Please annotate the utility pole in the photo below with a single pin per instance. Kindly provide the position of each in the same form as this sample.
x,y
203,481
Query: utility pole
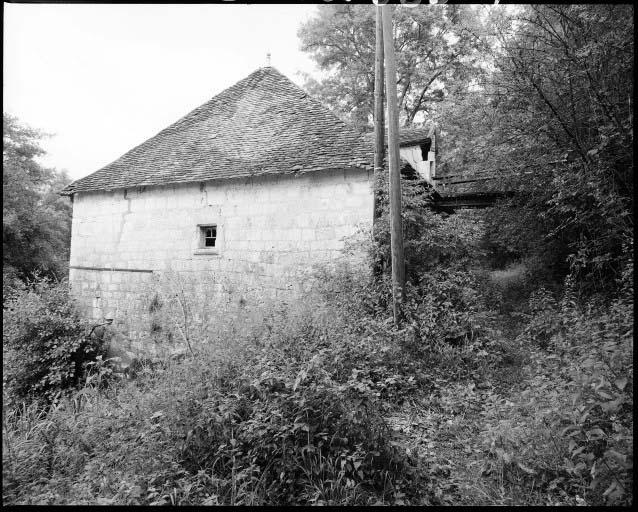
x,y
379,132
396,228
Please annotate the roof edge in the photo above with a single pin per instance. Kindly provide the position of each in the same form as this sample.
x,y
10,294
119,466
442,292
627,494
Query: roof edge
x,y
292,172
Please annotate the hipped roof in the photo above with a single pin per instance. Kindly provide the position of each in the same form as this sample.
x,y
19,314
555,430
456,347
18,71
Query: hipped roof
x,y
264,124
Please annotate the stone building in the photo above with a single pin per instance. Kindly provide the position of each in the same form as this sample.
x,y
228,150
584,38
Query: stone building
x,y
239,198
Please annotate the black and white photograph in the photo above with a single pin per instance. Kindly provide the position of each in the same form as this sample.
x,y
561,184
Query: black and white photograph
x,y
341,253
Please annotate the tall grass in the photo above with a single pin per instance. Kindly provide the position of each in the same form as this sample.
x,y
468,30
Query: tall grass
x,y
274,413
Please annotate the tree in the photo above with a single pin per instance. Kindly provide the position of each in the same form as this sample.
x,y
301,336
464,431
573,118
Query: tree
x,y
562,87
36,221
436,53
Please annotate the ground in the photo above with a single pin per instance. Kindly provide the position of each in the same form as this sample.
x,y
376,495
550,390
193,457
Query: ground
x,y
475,428
500,420
448,430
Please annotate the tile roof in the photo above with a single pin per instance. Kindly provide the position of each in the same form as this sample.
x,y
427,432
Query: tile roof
x,y
264,124
411,136
407,136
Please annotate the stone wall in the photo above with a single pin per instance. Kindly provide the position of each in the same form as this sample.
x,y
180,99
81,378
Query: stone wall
x,y
414,157
270,231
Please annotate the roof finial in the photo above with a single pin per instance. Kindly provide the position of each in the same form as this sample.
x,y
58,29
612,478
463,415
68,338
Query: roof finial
x,y
268,59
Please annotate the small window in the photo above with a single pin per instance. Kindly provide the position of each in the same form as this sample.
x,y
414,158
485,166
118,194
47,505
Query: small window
x,y
208,236
207,240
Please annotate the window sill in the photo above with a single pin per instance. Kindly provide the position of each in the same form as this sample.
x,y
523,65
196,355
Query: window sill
x,y
207,252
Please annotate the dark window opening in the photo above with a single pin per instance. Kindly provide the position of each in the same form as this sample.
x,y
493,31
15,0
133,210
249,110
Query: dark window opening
x,y
209,234
425,149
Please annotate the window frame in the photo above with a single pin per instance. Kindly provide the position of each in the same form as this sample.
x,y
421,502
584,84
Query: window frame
x,y
202,248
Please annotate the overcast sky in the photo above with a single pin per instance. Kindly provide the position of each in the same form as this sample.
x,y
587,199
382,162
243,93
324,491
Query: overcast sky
x,y
104,78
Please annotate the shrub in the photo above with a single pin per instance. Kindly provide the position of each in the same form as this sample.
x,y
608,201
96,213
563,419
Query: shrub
x,y
446,308
568,220
577,440
293,417
307,440
430,238
45,343
301,422
597,342
11,282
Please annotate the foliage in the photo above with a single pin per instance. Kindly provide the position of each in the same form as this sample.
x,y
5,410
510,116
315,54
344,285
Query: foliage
x,y
296,412
576,437
293,415
36,221
565,436
431,239
443,304
436,54
302,440
505,402
45,343
555,121
446,308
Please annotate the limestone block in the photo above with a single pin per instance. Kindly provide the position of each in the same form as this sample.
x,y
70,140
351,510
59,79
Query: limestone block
x,y
266,257
317,245
291,234
287,245
325,234
308,234
272,208
251,256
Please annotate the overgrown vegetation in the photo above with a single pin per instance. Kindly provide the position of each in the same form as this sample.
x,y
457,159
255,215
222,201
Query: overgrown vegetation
x,y
296,410
555,119
510,381
36,220
294,416
46,346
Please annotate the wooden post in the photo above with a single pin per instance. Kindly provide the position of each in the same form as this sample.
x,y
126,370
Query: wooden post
x,y
396,228
379,135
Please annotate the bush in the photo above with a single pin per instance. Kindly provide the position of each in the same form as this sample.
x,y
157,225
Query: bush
x,y
45,343
573,436
568,220
291,415
447,308
431,239
11,282
304,439
443,305
301,422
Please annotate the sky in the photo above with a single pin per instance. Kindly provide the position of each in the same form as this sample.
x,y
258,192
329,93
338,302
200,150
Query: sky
x,y
102,79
